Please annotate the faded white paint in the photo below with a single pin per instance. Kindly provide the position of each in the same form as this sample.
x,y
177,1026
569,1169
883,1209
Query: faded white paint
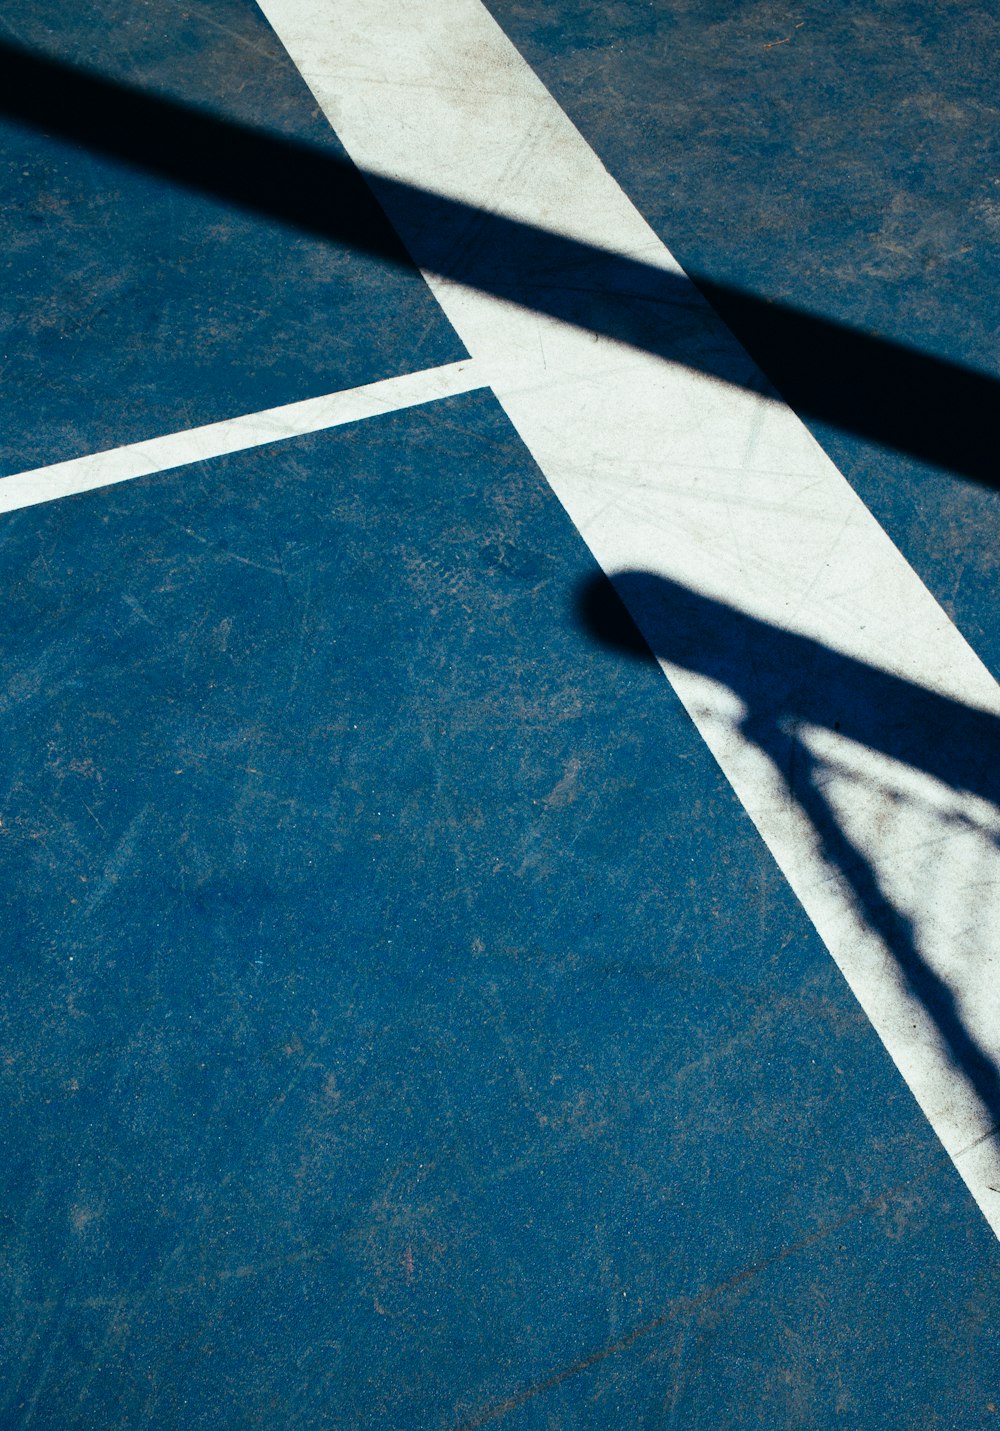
x,y
236,434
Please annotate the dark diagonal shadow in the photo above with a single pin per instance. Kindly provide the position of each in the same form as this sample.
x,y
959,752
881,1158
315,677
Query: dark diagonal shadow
x,y
786,682
921,405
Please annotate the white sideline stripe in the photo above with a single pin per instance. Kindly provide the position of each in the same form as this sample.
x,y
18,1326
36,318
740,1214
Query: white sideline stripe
x,y
236,434
666,470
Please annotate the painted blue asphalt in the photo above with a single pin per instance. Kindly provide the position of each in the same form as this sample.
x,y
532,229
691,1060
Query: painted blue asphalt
x,y
402,1009
404,1024
135,306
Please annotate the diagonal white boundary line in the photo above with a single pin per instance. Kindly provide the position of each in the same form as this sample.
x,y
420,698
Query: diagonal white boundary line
x,y
700,487
237,434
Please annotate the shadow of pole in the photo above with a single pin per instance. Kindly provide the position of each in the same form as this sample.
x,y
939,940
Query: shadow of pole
x,y
921,405
896,931
785,681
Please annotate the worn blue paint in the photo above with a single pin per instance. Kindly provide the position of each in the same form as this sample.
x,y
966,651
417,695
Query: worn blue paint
x,y
403,1022
134,306
400,1005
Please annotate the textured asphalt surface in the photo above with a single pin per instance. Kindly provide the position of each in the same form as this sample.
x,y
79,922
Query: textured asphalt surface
x,y
404,1025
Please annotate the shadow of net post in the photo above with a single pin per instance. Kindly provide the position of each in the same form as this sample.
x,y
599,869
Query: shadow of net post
x,y
788,686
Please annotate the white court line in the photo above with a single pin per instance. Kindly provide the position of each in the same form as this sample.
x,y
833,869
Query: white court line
x,y
236,434
719,489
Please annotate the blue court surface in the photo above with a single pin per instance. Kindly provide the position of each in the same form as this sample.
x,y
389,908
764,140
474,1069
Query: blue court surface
x,y
405,1024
